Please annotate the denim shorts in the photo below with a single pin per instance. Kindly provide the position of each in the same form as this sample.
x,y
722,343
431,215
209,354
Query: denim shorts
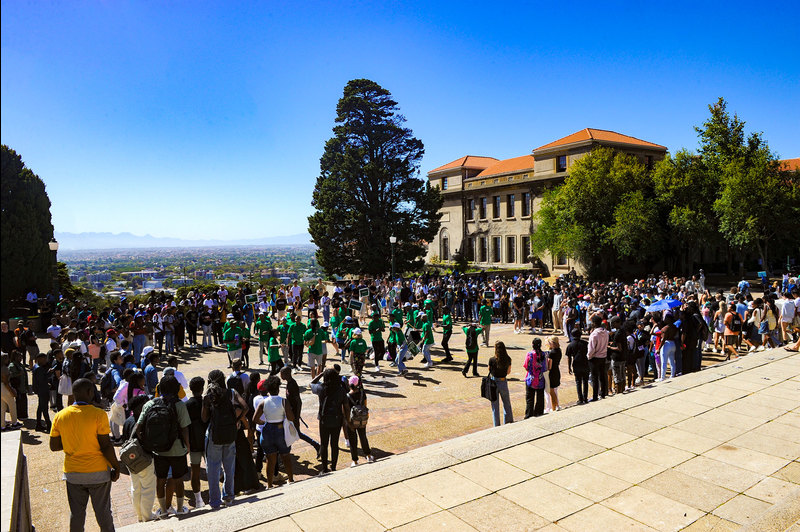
x,y
272,440
763,328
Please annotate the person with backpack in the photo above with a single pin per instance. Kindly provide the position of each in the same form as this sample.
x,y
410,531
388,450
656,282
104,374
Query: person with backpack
x,y
578,364
535,365
197,435
143,482
331,415
733,329
270,413
356,416
222,410
163,429
471,345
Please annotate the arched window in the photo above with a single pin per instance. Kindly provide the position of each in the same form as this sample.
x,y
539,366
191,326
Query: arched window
x,y
444,245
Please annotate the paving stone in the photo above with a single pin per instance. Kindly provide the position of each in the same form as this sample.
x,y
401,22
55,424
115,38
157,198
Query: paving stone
x,y
650,412
532,458
790,472
756,411
742,509
439,521
395,505
569,447
712,523
446,488
679,403
341,511
284,524
778,430
771,490
600,519
491,472
789,450
790,418
710,429
688,490
719,473
702,398
623,466
545,498
732,419
494,513
629,424
758,462
680,439
587,482
654,452
599,435
652,509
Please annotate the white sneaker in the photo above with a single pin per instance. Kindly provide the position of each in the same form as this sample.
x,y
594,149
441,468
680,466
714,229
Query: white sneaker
x,y
198,501
370,458
752,349
182,511
429,365
762,348
353,464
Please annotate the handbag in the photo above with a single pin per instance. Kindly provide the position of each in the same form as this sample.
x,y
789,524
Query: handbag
x,y
290,434
117,414
65,385
488,388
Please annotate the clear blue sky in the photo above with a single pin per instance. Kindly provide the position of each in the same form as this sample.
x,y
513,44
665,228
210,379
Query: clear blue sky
x,y
201,119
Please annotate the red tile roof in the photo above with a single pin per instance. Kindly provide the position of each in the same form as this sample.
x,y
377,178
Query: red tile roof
x,y
790,164
468,161
601,135
506,166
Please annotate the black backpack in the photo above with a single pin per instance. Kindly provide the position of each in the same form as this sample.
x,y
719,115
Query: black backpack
x,y
223,421
160,426
108,385
736,322
472,339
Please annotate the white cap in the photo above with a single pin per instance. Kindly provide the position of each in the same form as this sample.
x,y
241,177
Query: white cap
x,y
229,316
326,324
395,325
356,331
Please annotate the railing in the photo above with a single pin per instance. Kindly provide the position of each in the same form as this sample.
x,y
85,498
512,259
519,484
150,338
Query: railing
x,y
16,502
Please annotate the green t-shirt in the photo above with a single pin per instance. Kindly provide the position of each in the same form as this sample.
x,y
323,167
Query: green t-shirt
x,y
229,332
397,337
283,332
178,448
358,346
427,333
296,332
478,331
263,327
317,336
274,353
397,316
485,314
447,323
376,327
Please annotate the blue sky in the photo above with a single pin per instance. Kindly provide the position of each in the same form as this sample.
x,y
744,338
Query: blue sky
x,y
207,120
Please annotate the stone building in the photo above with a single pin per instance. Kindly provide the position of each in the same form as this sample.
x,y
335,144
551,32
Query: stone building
x,y
489,204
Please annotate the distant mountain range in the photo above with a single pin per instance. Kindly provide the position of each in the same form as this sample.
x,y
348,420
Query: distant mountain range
x,y
76,241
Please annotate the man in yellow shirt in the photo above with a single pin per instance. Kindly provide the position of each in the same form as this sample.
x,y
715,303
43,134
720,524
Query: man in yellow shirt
x,y
90,463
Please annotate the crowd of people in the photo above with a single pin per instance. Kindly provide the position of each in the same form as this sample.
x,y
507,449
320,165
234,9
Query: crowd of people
x,y
119,367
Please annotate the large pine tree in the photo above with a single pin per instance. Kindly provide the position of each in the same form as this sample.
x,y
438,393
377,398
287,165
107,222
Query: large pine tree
x,y
25,231
369,188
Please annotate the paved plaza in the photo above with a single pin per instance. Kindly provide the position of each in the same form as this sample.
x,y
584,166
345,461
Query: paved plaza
x,y
720,446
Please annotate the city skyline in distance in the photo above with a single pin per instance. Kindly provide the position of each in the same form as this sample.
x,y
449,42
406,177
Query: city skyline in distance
x,y
69,241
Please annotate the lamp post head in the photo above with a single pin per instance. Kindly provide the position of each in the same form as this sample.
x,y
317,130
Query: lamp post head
x,y
393,239
53,245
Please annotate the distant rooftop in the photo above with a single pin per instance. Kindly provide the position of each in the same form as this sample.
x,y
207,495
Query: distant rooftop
x,y
602,135
468,161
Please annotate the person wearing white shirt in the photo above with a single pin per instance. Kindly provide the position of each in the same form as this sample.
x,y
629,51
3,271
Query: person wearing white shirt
x,y
54,331
173,363
295,290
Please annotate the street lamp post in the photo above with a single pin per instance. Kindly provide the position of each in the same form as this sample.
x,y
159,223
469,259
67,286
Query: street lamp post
x,y
54,248
393,241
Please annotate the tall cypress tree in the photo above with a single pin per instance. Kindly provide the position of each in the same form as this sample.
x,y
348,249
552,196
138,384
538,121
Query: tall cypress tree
x,y
25,231
369,188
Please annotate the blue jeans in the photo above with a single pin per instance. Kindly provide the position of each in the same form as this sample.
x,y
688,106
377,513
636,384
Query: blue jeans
x,y
138,344
426,352
401,355
502,394
169,341
667,357
224,457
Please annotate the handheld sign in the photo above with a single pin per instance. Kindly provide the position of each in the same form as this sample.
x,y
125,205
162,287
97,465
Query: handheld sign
x,y
488,294
251,298
763,275
354,304
413,348
364,292
392,294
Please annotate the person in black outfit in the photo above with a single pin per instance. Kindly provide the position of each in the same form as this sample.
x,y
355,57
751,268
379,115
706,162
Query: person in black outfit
x,y
197,434
578,364
331,414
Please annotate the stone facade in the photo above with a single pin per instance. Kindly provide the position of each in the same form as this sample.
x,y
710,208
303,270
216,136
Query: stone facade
x,y
489,204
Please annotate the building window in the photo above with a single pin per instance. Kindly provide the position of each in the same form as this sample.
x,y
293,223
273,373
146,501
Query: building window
x,y
496,249
526,248
510,205
561,163
470,249
471,210
482,209
526,204
484,257
444,242
511,249
648,161
561,259
495,206
444,183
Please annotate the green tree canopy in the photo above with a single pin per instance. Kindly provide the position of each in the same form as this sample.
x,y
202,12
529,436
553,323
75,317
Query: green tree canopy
x,y
25,231
369,188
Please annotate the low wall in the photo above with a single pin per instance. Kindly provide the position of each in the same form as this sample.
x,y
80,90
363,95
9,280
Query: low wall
x,y
16,503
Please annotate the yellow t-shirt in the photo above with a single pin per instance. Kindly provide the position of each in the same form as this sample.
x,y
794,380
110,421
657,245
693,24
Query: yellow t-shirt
x,y
78,426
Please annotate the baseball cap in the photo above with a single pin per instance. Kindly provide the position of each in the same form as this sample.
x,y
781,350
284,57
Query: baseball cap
x,y
229,316
356,331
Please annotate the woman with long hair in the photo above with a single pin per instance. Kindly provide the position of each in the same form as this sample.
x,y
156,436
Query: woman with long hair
x,y
499,369
553,362
535,366
331,415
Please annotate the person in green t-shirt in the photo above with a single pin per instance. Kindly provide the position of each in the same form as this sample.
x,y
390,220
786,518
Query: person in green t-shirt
x,y
485,319
471,344
358,351
397,337
283,334
313,339
297,331
232,335
427,338
447,331
263,328
274,355
396,316
376,328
